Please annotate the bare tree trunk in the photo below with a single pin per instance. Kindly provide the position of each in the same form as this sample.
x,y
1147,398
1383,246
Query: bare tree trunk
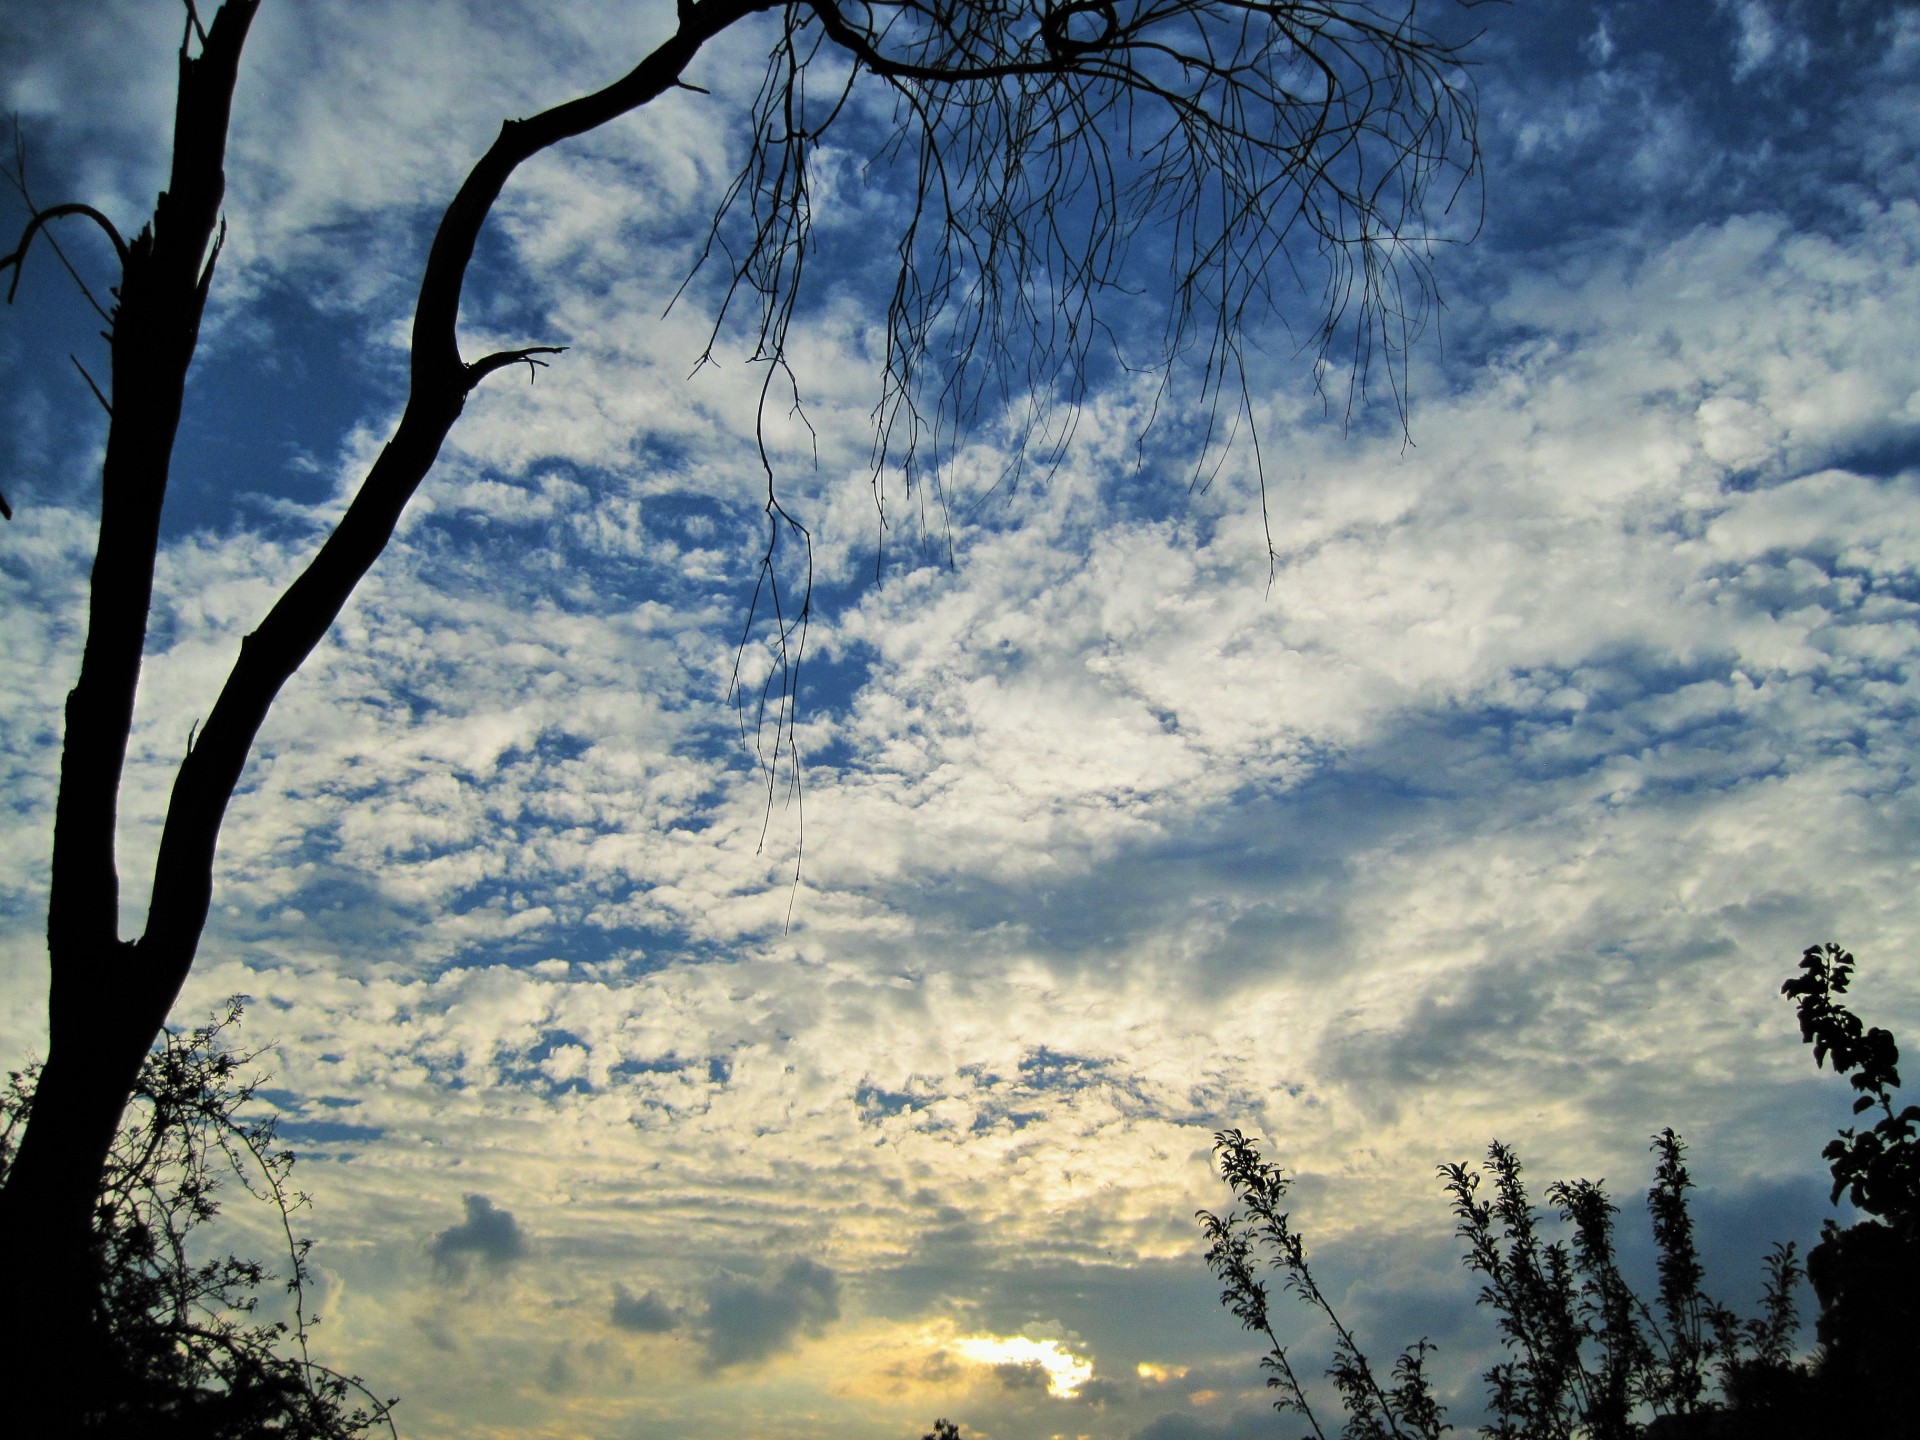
x,y
105,1003
109,998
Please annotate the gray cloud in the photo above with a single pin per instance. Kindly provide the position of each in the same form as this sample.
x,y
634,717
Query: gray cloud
x,y
748,1320
491,1236
646,1314
1021,1375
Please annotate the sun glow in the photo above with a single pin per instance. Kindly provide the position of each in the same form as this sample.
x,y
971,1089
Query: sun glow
x,y
1066,1372
1159,1374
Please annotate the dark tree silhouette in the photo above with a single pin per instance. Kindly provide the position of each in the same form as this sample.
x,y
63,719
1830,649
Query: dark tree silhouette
x,y
1867,1275
1052,149
185,1354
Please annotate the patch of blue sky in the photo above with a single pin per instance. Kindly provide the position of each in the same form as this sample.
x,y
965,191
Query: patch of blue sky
x,y
994,1118
504,298
830,680
550,1066
58,428
656,1065
553,745
297,1125
344,912
1664,122
269,404
1890,452
876,1103
1044,1069
548,1042
303,1134
576,932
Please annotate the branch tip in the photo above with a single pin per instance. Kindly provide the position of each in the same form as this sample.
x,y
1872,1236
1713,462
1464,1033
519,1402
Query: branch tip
x,y
500,359
90,384
40,217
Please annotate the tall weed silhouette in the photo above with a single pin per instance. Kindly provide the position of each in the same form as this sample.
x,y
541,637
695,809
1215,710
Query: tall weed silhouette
x,y
1587,1357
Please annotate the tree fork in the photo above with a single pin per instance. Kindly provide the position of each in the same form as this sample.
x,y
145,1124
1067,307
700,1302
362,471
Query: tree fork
x,y
95,1041
109,998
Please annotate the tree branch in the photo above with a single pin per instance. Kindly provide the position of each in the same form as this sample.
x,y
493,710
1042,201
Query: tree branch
x,y
18,258
91,386
165,270
480,369
440,383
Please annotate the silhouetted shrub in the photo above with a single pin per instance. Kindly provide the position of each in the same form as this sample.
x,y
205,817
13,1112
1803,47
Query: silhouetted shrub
x,y
1867,1276
186,1355
1262,1236
1589,1358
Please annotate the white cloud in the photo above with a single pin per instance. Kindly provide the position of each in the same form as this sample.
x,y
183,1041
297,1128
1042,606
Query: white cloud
x,y
1763,39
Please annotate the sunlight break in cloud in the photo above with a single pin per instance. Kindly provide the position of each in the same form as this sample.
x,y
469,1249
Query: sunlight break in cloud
x,y
1065,1372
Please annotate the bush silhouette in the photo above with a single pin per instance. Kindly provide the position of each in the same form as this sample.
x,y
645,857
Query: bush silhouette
x,y
184,1353
1589,1358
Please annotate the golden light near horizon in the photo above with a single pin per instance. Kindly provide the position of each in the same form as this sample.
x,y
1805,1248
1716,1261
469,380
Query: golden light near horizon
x,y
1066,1372
1159,1374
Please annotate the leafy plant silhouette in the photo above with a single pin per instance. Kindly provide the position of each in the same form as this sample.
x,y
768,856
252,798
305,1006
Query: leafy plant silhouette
x,y
1879,1169
1262,1236
1867,1276
186,1354
1589,1359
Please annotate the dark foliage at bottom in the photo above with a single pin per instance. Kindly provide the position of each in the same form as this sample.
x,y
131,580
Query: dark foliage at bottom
x,y
1590,1359
180,1352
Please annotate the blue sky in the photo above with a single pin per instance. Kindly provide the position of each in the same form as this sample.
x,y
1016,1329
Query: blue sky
x,y
1502,809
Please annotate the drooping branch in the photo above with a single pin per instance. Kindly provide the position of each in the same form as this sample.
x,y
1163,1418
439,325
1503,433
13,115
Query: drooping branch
x,y
97,394
1057,152
40,217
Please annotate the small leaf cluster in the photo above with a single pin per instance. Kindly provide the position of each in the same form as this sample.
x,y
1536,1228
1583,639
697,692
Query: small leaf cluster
x,y
1878,1169
189,1355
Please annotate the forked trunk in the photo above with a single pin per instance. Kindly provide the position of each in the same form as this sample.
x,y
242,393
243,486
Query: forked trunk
x,y
108,997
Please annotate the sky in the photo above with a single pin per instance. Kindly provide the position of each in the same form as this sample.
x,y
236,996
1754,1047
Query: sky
x,y
639,1097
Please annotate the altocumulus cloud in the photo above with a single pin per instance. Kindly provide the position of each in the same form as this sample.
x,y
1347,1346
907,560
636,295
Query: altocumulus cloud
x,y
749,1320
1495,811
489,1235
